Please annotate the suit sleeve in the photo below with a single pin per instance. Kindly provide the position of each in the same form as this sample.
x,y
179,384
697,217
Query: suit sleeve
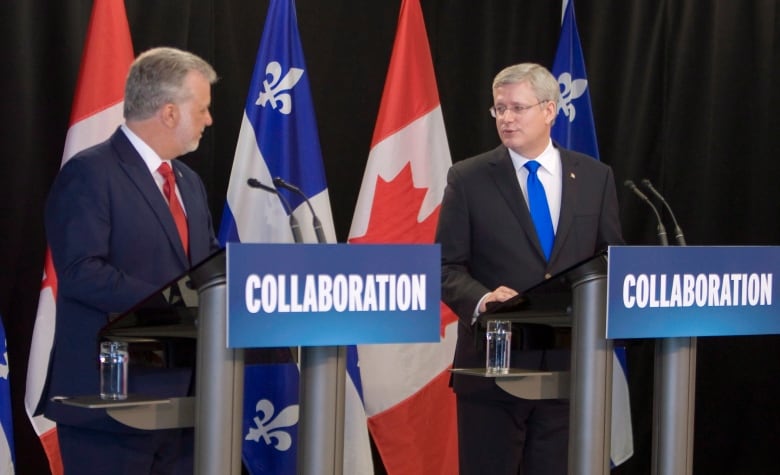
x,y
609,223
460,291
78,228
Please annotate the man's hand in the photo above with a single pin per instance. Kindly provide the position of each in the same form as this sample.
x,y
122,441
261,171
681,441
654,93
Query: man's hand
x,y
501,294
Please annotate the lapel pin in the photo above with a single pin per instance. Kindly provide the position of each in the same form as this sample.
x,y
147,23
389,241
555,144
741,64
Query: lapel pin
x,y
572,175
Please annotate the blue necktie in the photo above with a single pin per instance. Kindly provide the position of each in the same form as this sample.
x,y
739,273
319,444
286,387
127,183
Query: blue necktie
x,y
540,211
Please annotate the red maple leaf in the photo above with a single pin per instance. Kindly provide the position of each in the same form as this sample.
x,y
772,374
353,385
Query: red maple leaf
x,y
393,220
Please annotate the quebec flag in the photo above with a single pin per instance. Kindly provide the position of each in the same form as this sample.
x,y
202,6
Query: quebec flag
x,y
574,129
278,139
7,457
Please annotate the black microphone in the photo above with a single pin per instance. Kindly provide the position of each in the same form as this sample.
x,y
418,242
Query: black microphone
x,y
678,234
661,229
294,226
280,183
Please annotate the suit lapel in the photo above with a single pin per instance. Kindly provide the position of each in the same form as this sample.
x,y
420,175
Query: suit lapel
x,y
188,192
505,177
569,194
136,170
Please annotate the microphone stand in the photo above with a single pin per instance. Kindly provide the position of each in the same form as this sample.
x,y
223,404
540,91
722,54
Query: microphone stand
x,y
294,226
322,386
661,229
674,389
678,234
279,182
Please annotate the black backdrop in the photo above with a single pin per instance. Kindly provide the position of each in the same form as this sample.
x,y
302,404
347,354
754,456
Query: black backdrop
x,y
683,93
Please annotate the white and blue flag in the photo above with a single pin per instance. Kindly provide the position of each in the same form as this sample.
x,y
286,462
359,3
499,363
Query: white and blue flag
x,y
575,129
7,457
278,139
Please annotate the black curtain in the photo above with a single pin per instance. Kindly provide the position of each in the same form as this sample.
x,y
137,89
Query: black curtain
x,y
683,94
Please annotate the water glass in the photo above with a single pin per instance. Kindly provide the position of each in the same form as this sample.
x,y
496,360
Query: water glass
x,y
113,370
499,341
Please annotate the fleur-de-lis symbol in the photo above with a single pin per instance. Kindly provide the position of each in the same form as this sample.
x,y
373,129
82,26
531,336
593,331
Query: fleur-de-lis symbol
x,y
266,426
4,366
272,91
570,90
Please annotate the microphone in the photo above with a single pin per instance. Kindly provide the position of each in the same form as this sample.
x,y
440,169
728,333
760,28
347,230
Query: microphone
x,y
678,234
255,183
280,183
661,229
294,226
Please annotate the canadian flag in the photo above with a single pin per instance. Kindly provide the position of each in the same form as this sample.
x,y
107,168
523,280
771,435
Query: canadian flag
x,y
408,402
96,113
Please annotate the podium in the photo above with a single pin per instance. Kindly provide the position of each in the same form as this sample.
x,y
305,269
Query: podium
x,y
192,307
196,307
577,298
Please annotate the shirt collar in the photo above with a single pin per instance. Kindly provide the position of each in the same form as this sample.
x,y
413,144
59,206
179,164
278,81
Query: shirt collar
x,y
548,159
149,156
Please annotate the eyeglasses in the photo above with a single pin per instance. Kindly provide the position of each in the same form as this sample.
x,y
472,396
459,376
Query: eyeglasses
x,y
499,111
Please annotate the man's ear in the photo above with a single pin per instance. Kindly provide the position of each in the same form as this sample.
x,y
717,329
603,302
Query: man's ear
x,y
169,114
550,111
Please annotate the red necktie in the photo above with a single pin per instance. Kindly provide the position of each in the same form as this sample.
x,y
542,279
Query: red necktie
x,y
169,189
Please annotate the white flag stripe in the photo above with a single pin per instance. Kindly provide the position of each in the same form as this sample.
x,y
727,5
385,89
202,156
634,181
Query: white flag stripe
x,y
92,130
622,443
423,143
321,204
38,364
392,373
257,213
357,445
6,464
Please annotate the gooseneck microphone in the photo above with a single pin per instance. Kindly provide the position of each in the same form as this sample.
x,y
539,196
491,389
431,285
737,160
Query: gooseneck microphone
x,y
280,183
661,229
294,226
255,183
678,234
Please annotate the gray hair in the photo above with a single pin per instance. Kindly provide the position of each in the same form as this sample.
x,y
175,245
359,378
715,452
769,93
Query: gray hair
x,y
542,82
156,78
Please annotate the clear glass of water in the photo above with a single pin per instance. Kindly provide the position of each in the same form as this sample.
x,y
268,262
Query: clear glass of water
x,y
499,341
113,370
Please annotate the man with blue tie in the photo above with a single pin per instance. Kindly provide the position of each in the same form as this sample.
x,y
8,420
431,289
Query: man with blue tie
x,y
122,219
510,218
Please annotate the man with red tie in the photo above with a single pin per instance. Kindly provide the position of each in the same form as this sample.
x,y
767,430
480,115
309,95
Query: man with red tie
x,y
122,219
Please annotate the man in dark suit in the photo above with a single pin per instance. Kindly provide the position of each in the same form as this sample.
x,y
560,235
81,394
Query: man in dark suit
x,y
491,250
117,233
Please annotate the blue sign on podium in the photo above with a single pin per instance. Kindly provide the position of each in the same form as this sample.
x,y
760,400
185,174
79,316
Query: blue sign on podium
x,y
662,291
332,294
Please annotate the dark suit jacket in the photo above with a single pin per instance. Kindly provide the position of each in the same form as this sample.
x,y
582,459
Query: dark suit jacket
x,y
488,238
113,241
